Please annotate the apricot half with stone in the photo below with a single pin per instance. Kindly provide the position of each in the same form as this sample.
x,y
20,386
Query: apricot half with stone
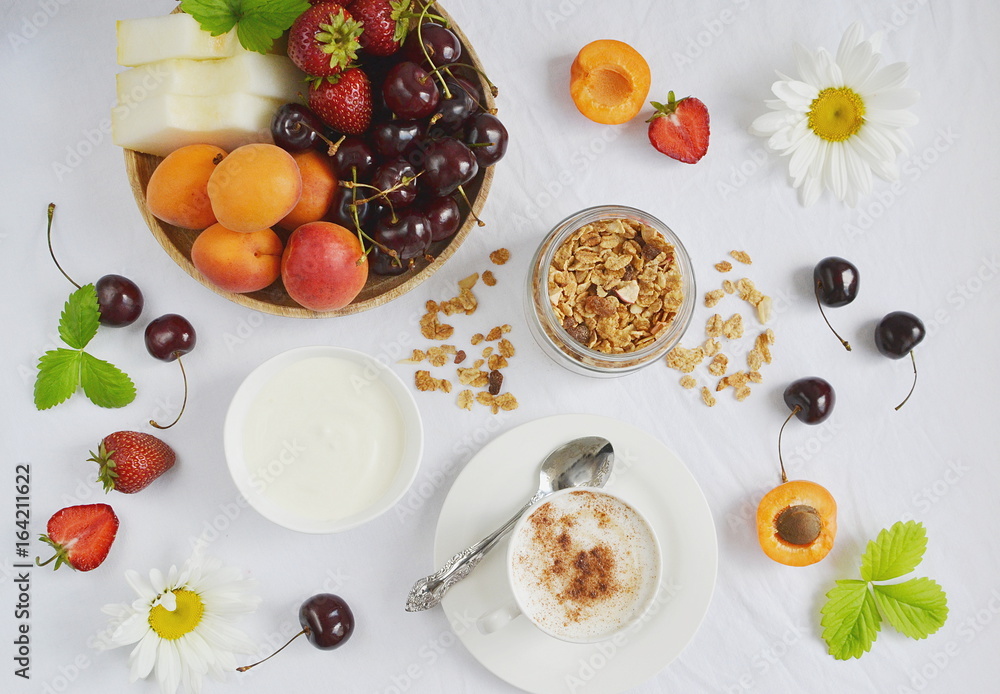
x,y
609,81
796,523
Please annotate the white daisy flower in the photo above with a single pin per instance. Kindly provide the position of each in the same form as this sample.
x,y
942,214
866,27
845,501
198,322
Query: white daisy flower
x,y
842,120
180,623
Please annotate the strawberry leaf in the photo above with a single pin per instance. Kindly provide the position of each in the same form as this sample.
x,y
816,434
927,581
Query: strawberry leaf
x,y
263,21
850,620
105,384
895,552
916,608
214,16
58,377
80,317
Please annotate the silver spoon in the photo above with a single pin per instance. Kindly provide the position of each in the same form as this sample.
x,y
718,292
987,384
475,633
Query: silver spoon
x,y
583,462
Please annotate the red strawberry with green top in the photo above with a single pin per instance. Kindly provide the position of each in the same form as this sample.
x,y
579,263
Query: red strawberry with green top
x,y
343,102
385,24
130,460
81,536
679,128
323,40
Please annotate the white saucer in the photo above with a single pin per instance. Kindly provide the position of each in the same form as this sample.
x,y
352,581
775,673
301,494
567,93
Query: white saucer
x,y
500,478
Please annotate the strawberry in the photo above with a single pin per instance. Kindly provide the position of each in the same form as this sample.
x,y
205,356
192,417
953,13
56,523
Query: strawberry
x,y
81,536
679,129
385,24
343,102
130,461
323,40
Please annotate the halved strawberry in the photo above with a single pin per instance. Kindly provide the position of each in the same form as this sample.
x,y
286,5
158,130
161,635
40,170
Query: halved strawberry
x,y
344,102
131,460
81,536
323,40
680,129
385,24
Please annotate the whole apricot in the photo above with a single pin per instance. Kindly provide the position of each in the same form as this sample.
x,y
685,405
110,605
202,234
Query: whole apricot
x,y
319,183
238,262
254,187
609,81
324,266
177,192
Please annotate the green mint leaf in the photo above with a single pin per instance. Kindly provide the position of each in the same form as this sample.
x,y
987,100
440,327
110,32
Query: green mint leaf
x,y
214,16
916,608
262,21
895,552
850,620
105,384
58,377
80,317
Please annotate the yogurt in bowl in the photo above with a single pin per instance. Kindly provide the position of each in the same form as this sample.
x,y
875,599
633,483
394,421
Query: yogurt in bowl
x,y
322,439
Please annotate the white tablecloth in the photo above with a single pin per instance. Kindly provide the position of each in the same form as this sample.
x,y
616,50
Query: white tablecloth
x,y
927,244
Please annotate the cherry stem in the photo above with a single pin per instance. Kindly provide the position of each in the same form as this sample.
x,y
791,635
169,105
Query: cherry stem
x,y
493,88
914,360
244,668
475,98
406,180
795,411
48,233
847,345
183,404
420,40
465,197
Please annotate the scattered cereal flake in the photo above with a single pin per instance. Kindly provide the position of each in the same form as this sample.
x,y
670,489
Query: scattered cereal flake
x,y
431,306
764,309
494,334
432,329
724,266
733,327
468,282
496,361
460,356
713,297
728,286
742,393
505,328
438,356
683,359
763,345
506,401
707,397
506,348
719,365
477,338
755,359
465,399
755,377
500,256
496,381
741,256
444,385
484,398
489,279
416,357
688,382
714,326
476,377
487,352
711,347
425,382
478,363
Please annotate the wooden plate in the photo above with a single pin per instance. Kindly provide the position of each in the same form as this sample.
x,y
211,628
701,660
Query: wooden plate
x,y
274,299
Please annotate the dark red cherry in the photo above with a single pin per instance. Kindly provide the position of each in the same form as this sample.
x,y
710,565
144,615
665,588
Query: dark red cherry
x,y
441,44
410,91
443,217
813,397
354,154
898,333
119,300
327,622
487,138
168,338
835,282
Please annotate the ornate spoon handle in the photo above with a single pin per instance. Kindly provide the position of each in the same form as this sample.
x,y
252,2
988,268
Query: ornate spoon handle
x,y
428,591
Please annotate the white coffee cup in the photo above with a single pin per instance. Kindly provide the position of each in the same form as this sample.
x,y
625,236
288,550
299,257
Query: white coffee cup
x,y
583,565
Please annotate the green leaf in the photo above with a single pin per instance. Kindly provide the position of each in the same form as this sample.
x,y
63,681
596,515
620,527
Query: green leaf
x,y
214,16
850,620
895,552
58,377
916,608
105,384
262,21
80,317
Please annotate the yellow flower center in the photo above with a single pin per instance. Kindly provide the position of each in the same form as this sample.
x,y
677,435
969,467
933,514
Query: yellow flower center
x,y
173,625
836,114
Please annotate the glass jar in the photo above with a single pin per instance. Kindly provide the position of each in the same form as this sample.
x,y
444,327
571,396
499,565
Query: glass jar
x,y
554,338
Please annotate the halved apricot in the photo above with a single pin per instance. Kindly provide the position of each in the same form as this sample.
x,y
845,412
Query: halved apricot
x,y
797,523
609,81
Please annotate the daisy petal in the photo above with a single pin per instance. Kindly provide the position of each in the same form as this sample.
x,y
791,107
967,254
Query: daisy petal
x,y
892,119
143,656
797,95
889,77
891,99
139,585
852,37
806,64
770,123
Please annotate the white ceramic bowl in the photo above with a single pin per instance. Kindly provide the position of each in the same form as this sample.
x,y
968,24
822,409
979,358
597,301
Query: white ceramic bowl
x,y
291,487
